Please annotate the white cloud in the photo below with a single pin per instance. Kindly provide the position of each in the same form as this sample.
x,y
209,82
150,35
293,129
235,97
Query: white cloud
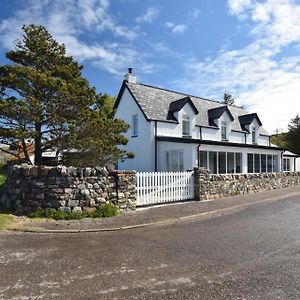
x,y
263,75
69,21
149,16
195,13
238,6
177,28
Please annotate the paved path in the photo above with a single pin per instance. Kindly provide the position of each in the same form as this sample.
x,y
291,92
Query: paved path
x,y
250,253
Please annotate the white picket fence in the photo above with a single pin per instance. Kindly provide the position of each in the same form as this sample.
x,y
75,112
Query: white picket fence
x,y
163,187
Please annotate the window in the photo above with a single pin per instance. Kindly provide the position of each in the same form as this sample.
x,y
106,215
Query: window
x,y
263,163
257,163
230,162
186,125
174,161
238,162
203,159
286,165
221,162
270,163
253,133
275,163
224,131
250,162
135,124
213,162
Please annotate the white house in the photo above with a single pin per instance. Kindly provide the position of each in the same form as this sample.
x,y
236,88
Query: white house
x,y
172,131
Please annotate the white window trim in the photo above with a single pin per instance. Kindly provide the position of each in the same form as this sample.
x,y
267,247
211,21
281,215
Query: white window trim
x,y
186,118
286,162
178,162
254,130
224,124
135,125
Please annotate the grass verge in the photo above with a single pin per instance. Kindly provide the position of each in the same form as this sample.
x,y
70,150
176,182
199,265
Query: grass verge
x,y
5,221
104,211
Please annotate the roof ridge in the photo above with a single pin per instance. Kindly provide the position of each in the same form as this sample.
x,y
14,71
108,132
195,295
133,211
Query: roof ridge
x,y
189,95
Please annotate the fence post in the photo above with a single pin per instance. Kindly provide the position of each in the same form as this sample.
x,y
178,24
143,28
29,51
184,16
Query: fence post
x,y
201,181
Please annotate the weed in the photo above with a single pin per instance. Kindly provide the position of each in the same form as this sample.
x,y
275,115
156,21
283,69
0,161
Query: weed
x,y
104,211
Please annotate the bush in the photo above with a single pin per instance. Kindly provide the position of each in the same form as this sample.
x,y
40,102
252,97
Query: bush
x,y
104,211
108,210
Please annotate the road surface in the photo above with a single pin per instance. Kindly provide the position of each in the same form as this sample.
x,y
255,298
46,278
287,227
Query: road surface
x,y
252,253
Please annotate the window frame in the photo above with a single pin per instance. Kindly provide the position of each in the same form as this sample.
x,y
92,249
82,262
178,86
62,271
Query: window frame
x,y
186,119
212,160
286,165
224,129
135,125
253,135
169,155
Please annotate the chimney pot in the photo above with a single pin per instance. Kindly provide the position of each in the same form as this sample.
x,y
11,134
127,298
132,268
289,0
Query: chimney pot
x,y
130,77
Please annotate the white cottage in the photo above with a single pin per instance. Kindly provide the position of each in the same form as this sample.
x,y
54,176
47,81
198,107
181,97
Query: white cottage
x,y
172,131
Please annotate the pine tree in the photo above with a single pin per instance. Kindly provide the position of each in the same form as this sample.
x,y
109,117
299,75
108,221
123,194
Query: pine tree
x,y
293,135
46,103
228,99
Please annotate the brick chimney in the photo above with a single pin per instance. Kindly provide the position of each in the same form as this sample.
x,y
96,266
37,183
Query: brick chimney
x,y
130,77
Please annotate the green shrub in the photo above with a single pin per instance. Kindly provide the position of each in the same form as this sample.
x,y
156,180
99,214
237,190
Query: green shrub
x,y
104,211
108,210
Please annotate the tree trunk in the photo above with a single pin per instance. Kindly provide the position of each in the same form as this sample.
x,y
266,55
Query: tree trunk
x,y
25,151
38,145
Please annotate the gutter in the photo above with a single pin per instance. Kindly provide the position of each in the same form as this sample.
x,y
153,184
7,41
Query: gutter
x,y
281,155
198,147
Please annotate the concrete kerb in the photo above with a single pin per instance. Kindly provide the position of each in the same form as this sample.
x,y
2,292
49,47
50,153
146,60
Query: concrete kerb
x,y
170,221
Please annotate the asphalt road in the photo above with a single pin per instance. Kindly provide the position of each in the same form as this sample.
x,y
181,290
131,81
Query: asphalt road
x,y
248,254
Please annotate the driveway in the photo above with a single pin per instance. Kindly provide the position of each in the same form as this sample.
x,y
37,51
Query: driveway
x,y
244,254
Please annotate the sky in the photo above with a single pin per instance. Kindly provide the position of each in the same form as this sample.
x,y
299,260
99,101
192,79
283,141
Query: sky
x,y
249,48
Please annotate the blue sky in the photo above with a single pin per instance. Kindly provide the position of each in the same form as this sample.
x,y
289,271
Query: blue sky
x,y
250,48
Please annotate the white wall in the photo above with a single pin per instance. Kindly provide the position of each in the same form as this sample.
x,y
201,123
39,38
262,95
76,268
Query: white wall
x,y
143,144
298,164
263,140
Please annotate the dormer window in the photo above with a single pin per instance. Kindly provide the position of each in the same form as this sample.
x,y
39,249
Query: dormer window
x,y
224,136
186,127
253,134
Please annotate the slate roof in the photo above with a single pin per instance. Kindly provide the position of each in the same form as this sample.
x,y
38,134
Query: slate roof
x,y
155,103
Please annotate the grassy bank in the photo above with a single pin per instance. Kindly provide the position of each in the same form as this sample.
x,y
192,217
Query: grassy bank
x,y
5,220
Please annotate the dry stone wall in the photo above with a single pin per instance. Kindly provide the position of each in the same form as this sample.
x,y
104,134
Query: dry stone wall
x,y
212,186
29,188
